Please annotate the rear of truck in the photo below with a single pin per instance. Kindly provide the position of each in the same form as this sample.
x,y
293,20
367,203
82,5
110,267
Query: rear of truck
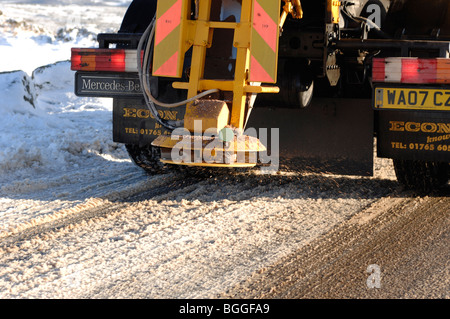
x,y
345,72
411,94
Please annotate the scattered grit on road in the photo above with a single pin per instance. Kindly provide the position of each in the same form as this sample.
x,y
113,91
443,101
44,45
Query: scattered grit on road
x,y
113,232
404,241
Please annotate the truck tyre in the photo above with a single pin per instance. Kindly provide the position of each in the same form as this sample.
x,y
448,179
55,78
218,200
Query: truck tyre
x,y
421,176
138,16
148,158
305,96
136,20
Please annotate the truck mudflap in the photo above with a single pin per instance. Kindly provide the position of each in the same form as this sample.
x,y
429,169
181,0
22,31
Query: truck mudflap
x,y
413,122
332,135
414,135
134,124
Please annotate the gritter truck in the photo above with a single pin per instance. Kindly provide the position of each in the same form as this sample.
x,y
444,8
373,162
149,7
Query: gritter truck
x,y
317,84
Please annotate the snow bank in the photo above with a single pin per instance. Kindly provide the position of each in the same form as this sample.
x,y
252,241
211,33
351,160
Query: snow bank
x,y
40,33
17,93
78,2
45,127
25,46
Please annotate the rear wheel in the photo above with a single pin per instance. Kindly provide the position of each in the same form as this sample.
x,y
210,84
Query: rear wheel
x,y
148,158
296,84
138,16
305,95
422,176
136,20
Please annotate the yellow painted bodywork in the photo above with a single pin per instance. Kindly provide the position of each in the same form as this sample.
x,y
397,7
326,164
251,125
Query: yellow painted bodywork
x,y
333,8
198,34
206,115
217,165
197,143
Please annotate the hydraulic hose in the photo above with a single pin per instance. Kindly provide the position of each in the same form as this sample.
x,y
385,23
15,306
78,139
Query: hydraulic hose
x,y
146,45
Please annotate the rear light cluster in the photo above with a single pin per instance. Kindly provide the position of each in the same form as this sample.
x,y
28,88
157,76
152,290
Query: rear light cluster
x,y
113,60
411,70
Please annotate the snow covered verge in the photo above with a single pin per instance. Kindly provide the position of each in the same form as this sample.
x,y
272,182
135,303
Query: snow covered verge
x,y
33,35
44,127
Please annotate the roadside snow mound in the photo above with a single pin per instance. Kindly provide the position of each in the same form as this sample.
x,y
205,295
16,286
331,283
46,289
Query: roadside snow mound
x,y
26,45
17,94
45,127
77,2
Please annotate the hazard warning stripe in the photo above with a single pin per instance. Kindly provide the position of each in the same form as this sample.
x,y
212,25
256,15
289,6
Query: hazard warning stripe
x,y
263,61
411,70
166,60
264,41
163,64
168,21
168,67
265,26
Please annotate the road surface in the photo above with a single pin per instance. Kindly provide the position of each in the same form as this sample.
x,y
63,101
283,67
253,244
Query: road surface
x,y
110,231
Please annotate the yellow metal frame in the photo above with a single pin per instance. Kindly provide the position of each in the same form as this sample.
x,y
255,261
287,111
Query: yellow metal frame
x,y
333,8
292,7
242,165
198,34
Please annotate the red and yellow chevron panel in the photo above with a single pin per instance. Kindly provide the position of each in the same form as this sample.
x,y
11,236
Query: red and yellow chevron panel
x,y
264,41
168,55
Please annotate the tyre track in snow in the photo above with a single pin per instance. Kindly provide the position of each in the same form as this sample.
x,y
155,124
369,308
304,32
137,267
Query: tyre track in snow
x,y
93,206
196,241
406,237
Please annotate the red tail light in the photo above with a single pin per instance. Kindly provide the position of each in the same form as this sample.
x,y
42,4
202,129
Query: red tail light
x,y
114,60
411,70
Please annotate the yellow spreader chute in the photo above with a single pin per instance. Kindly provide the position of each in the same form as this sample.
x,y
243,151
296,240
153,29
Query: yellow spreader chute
x,y
213,129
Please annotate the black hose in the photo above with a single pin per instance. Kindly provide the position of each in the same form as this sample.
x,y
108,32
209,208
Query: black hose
x,y
146,44
144,78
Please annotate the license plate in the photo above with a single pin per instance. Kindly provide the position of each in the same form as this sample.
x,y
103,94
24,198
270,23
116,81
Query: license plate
x,y
92,84
408,98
